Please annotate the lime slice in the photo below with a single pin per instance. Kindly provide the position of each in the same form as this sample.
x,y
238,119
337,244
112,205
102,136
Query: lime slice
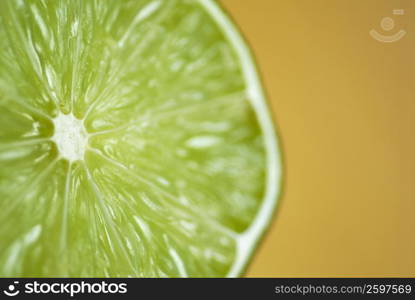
x,y
134,140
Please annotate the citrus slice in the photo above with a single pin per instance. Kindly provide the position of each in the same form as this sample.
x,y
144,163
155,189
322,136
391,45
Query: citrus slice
x,y
134,141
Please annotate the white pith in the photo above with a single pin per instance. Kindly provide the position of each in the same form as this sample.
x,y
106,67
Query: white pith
x,y
70,137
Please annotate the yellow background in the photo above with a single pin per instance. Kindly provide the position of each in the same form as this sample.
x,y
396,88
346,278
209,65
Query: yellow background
x,y
345,107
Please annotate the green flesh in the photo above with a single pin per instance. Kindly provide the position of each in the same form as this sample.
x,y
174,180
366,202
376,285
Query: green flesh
x,y
175,167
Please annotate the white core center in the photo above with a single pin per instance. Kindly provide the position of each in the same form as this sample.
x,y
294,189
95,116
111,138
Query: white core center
x,y
70,137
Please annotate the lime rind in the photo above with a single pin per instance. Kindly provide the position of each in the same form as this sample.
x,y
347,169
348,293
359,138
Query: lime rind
x,y
248,240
